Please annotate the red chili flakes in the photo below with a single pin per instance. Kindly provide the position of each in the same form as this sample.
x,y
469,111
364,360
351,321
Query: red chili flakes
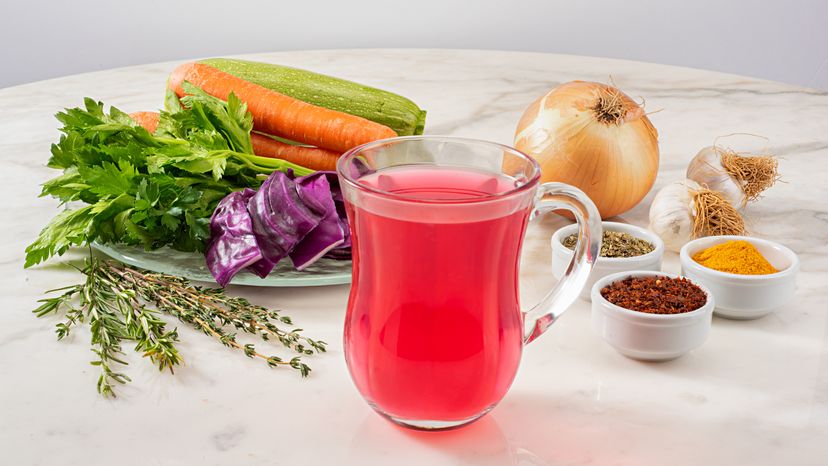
x,y
655,295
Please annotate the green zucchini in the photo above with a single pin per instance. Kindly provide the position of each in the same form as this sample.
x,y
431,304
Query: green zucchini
x,y
387,108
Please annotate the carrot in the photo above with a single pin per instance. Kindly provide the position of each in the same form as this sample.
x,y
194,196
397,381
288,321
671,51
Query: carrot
x,y
149,120
280,115
308,157
264,146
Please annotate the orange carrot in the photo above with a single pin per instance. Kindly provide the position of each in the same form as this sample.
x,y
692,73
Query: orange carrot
x,y
308,157
264,146
149,120
281,115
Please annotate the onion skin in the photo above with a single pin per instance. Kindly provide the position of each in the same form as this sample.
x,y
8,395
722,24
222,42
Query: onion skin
x,y
706,169
614,162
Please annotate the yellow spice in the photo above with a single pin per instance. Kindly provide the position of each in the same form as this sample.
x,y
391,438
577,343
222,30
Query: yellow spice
x,y
739,257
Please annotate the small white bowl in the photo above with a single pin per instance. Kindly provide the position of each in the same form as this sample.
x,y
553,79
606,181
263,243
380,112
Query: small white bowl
x,y
645,336
561,255
744,296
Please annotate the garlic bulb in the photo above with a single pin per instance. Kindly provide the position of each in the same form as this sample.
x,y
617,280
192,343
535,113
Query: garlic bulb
x,y
685,210
671,214
739,178
706,168
596,138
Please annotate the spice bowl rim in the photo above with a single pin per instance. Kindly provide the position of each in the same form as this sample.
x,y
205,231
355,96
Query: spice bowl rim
x,y
641,233
605,304
650,337
687,261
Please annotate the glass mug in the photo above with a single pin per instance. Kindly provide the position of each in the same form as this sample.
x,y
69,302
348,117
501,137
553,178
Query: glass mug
x,y
434,331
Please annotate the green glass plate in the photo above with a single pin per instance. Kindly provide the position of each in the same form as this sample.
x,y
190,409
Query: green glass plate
x,y
191,266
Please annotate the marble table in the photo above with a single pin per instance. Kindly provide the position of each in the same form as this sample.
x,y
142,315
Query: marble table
x,y
755,393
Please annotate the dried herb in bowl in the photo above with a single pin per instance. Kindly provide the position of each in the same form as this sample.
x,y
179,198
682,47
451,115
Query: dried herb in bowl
x,y
655,295
617,244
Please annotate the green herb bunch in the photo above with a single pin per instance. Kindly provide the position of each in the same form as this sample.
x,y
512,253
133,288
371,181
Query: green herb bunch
x,y
158,189
124,305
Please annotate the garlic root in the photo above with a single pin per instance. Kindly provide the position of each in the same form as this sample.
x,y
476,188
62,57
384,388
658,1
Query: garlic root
x,y
685,210
754,173
715,216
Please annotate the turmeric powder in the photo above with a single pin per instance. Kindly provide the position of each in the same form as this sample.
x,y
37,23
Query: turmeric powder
x,y
739,257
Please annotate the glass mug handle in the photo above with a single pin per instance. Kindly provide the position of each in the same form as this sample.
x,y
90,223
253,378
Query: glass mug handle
x,y
557,196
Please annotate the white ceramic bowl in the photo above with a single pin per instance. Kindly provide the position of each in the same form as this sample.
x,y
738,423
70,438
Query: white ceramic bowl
x,y
744,296
645,336
561,255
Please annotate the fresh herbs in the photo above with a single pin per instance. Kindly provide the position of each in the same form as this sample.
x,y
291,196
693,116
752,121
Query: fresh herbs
x,y
149,189
124,305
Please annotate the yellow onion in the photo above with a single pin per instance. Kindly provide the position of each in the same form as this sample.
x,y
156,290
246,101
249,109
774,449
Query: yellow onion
x,y
594,137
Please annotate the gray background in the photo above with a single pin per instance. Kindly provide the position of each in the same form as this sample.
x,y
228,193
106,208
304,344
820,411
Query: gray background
x,y
774,39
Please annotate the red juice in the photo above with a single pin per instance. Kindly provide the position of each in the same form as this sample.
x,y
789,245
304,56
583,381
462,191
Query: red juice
x,y
434,330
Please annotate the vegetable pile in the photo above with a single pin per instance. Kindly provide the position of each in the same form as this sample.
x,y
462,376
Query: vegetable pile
x,y
156,179
238,166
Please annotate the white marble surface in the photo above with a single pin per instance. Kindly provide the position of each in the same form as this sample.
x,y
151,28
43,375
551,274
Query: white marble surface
x,y
755,393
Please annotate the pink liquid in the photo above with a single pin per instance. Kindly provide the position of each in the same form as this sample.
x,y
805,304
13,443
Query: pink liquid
x,y
433,330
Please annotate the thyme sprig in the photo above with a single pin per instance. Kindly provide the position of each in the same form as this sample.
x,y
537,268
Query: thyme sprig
x,y
124,304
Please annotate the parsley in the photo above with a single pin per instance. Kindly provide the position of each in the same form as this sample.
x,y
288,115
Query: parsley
x,y
149,189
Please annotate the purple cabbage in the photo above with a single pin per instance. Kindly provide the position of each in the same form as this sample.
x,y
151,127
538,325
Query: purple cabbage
x,y
339,201
280,219
303,218
262,267
340,254
232,245
315,192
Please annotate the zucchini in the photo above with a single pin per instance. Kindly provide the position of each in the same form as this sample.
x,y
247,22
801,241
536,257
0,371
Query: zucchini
x,y
383,107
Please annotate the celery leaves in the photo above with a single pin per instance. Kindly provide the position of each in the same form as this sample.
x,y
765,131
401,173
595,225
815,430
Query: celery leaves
x,y
148,189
